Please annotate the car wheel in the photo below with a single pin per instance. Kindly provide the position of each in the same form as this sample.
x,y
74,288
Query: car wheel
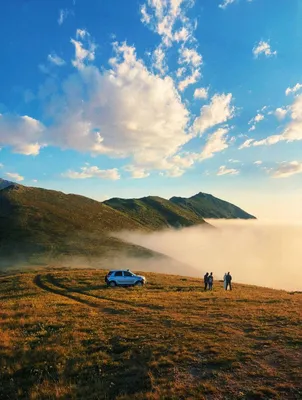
x,y
112,284
139,283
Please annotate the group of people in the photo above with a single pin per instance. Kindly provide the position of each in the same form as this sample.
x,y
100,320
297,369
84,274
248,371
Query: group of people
x,y
209,280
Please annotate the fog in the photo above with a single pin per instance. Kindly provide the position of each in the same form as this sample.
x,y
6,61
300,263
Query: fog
x,y
264,254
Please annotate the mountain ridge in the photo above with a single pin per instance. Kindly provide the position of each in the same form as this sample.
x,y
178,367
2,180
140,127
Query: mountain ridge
x,y
36,221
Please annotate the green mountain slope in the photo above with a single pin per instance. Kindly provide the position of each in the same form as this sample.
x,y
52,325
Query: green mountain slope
x,y
207,206
35,221
155,212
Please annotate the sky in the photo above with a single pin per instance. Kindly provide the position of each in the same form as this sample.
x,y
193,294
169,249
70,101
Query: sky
x,y
155,97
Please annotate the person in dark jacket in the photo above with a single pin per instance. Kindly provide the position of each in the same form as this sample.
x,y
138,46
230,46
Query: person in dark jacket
x,y
205,279
210,281
228,281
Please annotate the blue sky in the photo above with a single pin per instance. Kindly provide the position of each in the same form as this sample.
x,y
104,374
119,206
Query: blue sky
x,y
165,97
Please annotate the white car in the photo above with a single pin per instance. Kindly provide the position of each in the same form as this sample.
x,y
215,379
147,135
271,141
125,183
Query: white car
x,y
121,277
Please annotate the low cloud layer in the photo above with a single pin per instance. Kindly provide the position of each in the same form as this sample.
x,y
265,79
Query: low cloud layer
x,y
255,253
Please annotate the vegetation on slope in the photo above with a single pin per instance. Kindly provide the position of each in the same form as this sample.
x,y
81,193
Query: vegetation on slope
x,y
64,335
207,206
36,221
155,212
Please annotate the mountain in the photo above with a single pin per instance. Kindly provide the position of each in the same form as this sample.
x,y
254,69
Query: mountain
x,y
37,222
40,221
156,212
4,183
207,206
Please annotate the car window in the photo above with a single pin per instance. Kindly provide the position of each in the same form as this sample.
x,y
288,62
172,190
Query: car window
x,y
119,273
127,273
110,273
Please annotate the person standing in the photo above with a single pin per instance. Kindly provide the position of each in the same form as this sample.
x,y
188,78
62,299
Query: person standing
x,y
224,281
205,279
228,281
210,281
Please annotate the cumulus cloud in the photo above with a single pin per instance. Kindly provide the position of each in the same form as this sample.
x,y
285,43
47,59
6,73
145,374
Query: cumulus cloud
x,y
294,89
287,169
223,170
263,48
128,112
83,54
23,133
137,172
93,172
201,93
258,162
55,59
218,111
190,56
280,113
216,142
189,80
15,176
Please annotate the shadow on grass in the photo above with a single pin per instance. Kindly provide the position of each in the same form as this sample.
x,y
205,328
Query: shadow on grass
x,y
51,279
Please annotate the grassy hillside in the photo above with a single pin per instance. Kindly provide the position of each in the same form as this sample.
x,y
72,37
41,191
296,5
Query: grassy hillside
x,y
155,212
64,335
207,206
39,221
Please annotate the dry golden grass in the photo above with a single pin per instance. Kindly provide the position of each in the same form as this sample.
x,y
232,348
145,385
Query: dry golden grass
x,y
64,335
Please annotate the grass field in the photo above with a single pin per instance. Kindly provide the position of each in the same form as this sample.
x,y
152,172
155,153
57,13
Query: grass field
x,y
64,335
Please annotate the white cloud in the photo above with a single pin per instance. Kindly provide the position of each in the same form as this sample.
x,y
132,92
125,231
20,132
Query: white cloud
x,y
292,131
162,16
259,117
231,160
294,89
263,48
216,142
190,56
82,54
63,14
93,172
226,3
82,33
128,112
287,169
256,119
1,165
189,80
136,172
280,113
246,144
201,93
146,18
159,60
55,59
218,111
14,176
223,170
23,134
182,35
258,162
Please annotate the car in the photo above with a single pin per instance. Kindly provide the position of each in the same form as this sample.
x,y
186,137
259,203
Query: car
x,y
124,278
